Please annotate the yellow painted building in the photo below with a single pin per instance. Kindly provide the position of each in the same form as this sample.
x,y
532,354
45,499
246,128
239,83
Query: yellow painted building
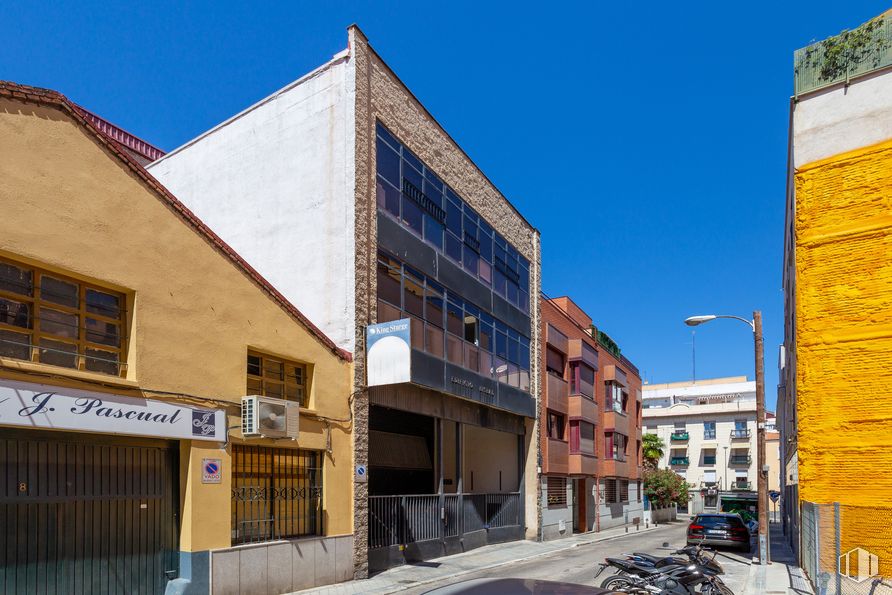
x,y
836,361
131,315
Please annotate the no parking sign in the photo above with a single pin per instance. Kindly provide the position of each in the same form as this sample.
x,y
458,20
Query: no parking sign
x,y
211,470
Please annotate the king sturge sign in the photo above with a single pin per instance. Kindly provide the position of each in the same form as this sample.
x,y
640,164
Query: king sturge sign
x,y
50,407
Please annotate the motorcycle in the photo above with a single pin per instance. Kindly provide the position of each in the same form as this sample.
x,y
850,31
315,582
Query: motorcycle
x,y
667,576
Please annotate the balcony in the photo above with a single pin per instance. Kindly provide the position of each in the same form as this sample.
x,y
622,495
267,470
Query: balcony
x,y
740,460
555,455
556,392
679,436
738,434
580,407
679,461
583,464
709,434
741,485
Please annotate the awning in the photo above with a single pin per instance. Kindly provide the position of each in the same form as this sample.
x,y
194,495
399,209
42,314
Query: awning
x,y
398,451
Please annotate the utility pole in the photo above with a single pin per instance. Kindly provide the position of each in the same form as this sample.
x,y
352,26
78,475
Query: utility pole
x,y
760,438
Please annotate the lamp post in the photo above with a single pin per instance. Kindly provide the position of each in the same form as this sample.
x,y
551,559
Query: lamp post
x,y
756,326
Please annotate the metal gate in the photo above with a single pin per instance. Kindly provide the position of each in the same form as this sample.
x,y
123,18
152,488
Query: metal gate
x,y
86,517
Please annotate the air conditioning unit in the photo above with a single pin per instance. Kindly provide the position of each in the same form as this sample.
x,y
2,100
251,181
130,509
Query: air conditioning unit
x,y
269,418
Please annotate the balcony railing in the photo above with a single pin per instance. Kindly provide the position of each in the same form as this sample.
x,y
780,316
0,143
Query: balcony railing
x,y
679,436
740,433
709,434
679,461
741,485
839,58
740,460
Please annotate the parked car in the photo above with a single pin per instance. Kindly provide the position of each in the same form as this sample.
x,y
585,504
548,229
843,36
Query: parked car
x,y
517,586
719,529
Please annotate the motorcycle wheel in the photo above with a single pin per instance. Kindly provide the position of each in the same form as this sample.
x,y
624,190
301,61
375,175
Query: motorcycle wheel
x,y
715,589
617,582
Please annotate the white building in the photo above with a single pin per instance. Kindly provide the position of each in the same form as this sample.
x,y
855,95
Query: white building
x,y
709,429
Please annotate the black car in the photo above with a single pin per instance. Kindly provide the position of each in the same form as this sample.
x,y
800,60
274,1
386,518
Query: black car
x,y
517,586
719,529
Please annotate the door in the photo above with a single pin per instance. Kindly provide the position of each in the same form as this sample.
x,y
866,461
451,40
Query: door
x,y
86,516
579,497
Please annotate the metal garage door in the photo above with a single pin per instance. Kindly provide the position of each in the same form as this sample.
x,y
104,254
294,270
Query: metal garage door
x,y
82,516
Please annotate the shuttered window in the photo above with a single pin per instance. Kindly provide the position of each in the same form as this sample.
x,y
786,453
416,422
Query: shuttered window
x,y
610,494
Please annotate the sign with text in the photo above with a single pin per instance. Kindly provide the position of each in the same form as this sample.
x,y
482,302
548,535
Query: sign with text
x,y
52,407
388,352
211,470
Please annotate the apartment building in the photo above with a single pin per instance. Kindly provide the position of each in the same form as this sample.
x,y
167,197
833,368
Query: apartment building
x,y
420,267
709,429
129,335
835,363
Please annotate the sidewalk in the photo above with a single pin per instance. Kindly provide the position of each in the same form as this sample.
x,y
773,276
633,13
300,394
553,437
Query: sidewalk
x,y
783,575
413,575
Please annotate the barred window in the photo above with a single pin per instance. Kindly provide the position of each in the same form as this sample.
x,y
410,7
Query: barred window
x,y
276,493
639,490
277,377
623,490
557,491
610,495
53,319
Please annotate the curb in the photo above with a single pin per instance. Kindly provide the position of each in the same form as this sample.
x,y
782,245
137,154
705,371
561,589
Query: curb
x,y
506,562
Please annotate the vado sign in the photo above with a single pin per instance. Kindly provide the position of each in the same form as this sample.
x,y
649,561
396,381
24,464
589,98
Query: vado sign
x,y
43,406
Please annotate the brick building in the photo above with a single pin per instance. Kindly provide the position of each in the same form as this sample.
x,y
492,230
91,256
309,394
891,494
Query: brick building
x,y
590,427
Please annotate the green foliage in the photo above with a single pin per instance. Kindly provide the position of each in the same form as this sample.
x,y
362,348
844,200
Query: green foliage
x,y
664,487
652,447
836,55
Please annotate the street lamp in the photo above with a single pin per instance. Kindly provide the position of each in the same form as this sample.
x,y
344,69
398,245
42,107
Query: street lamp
x,y
756,326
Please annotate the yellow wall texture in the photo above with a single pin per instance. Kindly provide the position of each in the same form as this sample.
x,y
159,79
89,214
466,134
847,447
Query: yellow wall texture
x,y
844,337
70,205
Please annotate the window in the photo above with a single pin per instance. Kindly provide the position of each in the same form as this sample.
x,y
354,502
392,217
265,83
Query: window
x,y
616,398
276,493
709,477
709,456
709,430
610,492
623,490
276,377
555,425
56,320
554,362
615,446
447,326
582,380
582,437
639,490
410,192
557,491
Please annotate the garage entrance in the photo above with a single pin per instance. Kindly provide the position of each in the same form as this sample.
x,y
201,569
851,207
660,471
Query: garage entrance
x,y
86,514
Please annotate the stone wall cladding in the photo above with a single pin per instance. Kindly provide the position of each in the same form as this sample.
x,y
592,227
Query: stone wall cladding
x,y
380,95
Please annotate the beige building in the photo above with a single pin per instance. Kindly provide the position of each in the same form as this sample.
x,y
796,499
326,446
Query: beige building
x,y
709,429
129,334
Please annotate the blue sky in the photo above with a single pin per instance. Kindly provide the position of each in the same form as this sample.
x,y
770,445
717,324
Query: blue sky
x,y
648,145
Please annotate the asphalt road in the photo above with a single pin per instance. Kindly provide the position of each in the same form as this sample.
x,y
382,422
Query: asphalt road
x,y
579,564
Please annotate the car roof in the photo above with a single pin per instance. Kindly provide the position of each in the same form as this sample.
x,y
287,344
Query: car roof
x,y
516,586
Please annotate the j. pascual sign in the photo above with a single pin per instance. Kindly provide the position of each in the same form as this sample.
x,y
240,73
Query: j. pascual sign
x,y
51,407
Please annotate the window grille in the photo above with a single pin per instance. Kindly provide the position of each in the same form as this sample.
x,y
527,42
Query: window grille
x,y
557,491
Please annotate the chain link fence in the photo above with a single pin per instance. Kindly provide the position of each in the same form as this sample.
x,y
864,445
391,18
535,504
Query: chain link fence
x,y
846,550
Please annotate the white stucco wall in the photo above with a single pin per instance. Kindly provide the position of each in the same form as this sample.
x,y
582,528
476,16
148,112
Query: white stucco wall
x,y
841,119
276,183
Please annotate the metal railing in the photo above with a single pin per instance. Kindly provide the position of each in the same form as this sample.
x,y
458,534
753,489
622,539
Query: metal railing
x,y
709,434
679,436
679,461
841,57
740,460
741,485
399,520
740,433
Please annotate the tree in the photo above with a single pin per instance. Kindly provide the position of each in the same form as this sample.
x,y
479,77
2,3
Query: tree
x,y
663,487
652,447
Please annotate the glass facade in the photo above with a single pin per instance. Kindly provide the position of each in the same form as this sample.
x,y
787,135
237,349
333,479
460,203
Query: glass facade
x,y
412,194
447,326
